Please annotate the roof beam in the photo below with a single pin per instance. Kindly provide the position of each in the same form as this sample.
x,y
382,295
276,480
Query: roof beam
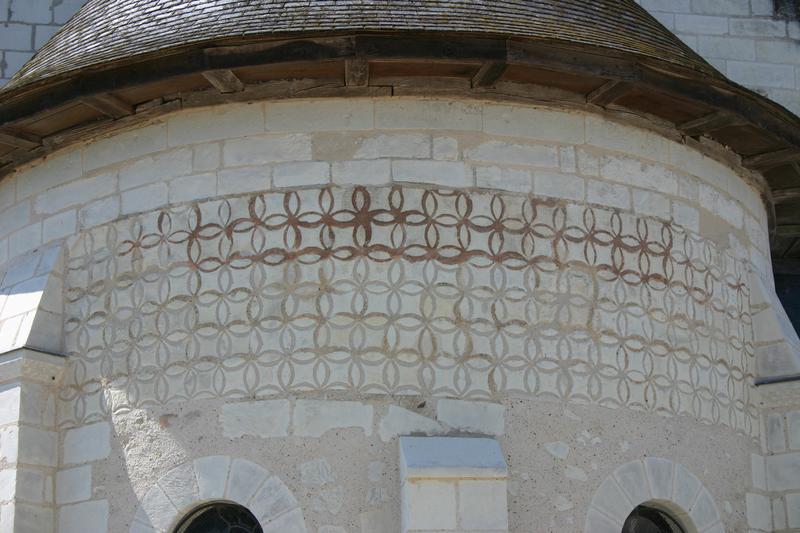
x,y
109,105
356,72
224,80
489,73
19,139
788,230
709,123
608,93
780,196
772,159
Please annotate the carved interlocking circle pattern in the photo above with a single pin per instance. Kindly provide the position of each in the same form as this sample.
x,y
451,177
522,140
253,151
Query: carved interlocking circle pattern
x,y
407,291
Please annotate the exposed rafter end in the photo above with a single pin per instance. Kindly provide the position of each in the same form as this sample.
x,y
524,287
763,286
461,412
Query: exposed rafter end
x,y
709,123
356,72
489,73
780,196
788,230
772,159
608,93
224,80
109,105
19,139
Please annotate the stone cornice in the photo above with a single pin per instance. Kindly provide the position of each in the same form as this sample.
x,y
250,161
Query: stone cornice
x,y
31,364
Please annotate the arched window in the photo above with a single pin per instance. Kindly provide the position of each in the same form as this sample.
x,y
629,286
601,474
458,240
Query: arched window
x,y
646,519
219,517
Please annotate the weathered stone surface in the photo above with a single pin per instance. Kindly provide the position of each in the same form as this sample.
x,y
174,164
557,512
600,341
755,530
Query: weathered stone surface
x,y
399,421
87,443
475,417
313,418
268,418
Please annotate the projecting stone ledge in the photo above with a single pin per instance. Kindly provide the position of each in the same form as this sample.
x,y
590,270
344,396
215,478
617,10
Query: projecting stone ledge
x,y
453,484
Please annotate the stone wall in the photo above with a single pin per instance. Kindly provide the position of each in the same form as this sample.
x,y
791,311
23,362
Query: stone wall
x,y
744,39
297,284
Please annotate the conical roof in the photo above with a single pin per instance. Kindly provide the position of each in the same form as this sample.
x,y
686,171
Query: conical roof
x,y
106,31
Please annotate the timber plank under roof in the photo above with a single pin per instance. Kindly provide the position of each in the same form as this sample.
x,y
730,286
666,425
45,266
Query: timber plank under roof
x,y
121,61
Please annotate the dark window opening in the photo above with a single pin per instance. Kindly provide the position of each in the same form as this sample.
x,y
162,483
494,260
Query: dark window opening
x,y
646,519
220,518
787,9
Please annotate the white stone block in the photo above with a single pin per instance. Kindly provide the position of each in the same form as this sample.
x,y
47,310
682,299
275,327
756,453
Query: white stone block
x,y
783,472
759,511
272,500
320,115
160,167
757,27
724,47
265,419
84,517
156,510
180,486
483,505
534,123
243,481
74,484
77,192
608,194
206,157
444,173
634,172
557,185
661,475
427,114
400,145
776,432
762,74
33,518
793,510
243,180
25,239
99,212
14,217
8,484
505,179
793,427
451,457
588,163
758,471
778,514
125,146
87,443
686,215
701,24
445,149
633,481
33,11
52,171
31,486
215,123
194,187
266,149
477,417
9,443
704,511
60,225
212,476
568,159
145,198
650,203
504,153
291,522
371,172
399,421
429,505
38,446
313,418
300,174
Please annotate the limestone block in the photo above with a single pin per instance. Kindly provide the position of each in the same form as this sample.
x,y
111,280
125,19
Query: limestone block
x,y
685,488
212,476
242,180
399,421
793,426
76,192
59,226
451,457
51,172
776,433
25,239
597,522
272,500
39,447
633,481
557,185
429,505
502,178
651,203
632,171
445,149
686,215
269,418
427,114
83,517
534,123
145,198
10,397
320,115
558,449
125,146
783,471
505,153
180,486
300,174
608,194
445,173
611,500
568,159
483,505
99,212
8,484
87,443
316,473
243,481
793,509
291,522
74,484
312,418
758,470
374,172
194,187
778,514
37,519
160,167
759,511
215,123
156,510
618,137
14,217
399,145
31,486
9,443
704,511
206,157
477,417
266,149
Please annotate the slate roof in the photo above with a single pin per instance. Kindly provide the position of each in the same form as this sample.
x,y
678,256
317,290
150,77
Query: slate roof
x,y
107,31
